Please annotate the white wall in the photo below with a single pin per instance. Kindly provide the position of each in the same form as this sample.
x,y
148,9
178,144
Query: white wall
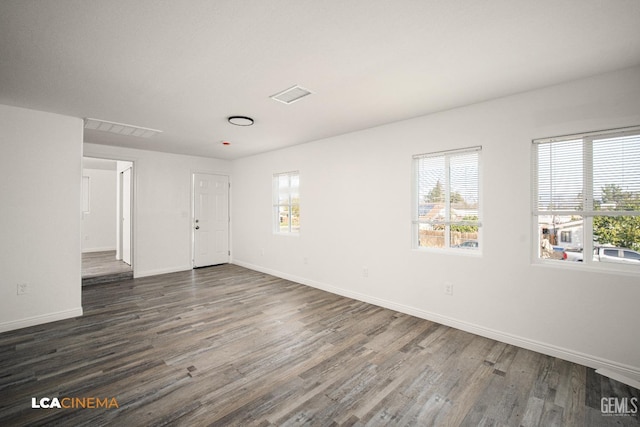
x,y
356,212
99,225
162,205
40,216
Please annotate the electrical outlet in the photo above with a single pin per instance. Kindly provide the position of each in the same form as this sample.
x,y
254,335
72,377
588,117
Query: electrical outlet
x,y
365,272
448,288
22,288
305,260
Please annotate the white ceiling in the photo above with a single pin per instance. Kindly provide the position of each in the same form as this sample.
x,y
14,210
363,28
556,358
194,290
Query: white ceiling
x,y
184,66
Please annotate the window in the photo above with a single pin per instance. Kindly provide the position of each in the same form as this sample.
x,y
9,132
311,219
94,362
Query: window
x,y
565,237
447,200
611,252
286,202
590,184
632,255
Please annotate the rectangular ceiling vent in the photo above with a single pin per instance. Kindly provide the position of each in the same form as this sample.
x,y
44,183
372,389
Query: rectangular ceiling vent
x,y
291,95
119,128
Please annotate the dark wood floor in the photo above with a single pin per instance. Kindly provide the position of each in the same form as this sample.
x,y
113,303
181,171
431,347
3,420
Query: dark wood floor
x,y
103,267
229,346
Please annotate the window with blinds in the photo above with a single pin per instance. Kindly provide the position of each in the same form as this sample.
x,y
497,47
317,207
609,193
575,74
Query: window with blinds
x,y
587,197
286,202
447,200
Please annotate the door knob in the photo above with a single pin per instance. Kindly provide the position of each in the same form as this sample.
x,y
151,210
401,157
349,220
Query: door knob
x,y
197,227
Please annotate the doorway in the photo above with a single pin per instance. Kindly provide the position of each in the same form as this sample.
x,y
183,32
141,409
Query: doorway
x,y
107,212
210,219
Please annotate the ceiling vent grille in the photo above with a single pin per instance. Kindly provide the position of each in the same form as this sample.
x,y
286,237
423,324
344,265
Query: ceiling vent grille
x,y
119,128
291,95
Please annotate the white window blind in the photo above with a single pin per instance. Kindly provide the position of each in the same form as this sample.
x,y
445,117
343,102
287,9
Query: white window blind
x,y
447,201
560,177
586,175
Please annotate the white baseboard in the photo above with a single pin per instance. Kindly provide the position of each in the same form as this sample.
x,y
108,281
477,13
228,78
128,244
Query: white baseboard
x,y
103,249
138,274
629,375
39,320
618,377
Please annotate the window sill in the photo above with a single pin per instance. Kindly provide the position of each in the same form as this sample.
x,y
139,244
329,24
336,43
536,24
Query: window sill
x,y
596,267
450,251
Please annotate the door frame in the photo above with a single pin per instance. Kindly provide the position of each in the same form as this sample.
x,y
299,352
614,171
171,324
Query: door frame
x,y
192,233
134,202
121,213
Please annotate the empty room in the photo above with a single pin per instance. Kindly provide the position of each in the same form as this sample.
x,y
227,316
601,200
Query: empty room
x,y
279,213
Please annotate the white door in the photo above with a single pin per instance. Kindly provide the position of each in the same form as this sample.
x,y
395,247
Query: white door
x,y
126,215
210,219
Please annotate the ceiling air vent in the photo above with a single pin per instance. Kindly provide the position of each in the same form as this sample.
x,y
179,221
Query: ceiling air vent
x,y
119,128
291,95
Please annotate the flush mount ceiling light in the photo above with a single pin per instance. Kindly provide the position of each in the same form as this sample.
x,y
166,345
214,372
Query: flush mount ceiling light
x,y
291,95
240,120
119,128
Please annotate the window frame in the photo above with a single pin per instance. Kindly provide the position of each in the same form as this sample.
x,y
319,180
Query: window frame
x,y
277,228
416,221
588,211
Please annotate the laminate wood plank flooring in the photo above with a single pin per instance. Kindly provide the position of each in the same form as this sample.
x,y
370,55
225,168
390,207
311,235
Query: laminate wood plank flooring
x,y
103,267
230,346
